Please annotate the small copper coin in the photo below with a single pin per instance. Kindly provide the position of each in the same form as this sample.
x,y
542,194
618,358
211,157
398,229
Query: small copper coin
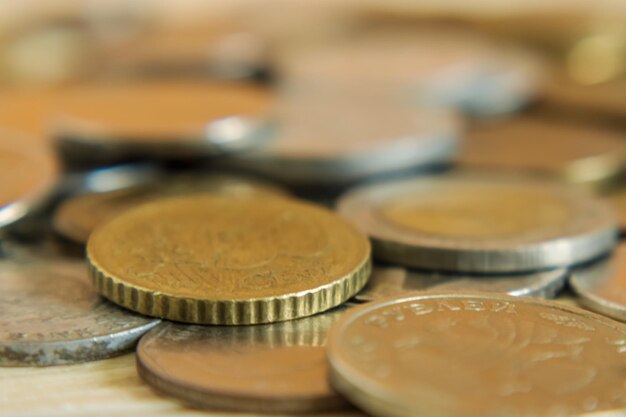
x,y
474,354
78,216
601,286
278,367
228,260
51,315
386,281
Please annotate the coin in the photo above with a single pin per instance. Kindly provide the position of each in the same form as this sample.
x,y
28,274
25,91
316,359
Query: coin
x,y
390,280
77,217
51,315
279,367
576,153
601,286
481,223
468,354
338,140
28,172
228,260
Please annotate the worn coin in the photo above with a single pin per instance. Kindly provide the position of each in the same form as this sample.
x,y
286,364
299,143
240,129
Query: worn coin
x,y
51,315
78,216
228,260
601,286
473,354
393,280
279,367
338,140
481,223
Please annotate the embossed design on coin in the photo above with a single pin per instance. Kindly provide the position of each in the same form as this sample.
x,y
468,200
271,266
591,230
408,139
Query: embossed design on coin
x,y
279,367
480,223
51,315
386,281
227,260
601,285
475,354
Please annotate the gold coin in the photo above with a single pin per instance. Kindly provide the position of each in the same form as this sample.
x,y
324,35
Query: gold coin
x,y
77,217
225,260
473,354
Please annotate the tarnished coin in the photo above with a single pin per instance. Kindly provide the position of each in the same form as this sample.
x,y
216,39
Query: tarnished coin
x,y
51,315
392,280
28,172
481,223
338,140
473,354
77,217
601,285
279,367
577,153
228,260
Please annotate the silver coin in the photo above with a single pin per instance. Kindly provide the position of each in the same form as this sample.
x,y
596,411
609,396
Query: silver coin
x,y
601,286
392,280
50,315
279,367
337,140
481,223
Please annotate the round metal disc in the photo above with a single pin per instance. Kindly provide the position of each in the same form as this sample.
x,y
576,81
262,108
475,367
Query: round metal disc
x,y
387,281
481,223
278,367
51,315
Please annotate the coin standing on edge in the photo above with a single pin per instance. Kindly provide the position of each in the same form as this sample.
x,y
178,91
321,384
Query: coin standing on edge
x,y
475,354
386,281
279,367
601,286
228,260
51,315
481,223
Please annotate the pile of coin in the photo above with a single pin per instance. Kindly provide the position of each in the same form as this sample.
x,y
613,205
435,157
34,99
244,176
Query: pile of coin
x,y
191,223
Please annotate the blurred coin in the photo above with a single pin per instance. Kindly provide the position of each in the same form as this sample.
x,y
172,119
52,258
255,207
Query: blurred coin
x,y
278,367
435,67
481,223
228,260
387,280
617,199
334,141
51,315
579,154
476,355
601,285
28,173
78,216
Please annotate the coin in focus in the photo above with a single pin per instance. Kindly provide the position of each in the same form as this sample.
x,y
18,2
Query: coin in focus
x,y
51,315
278,367
386,281
228,260
481,223
470,355
601,286
78,216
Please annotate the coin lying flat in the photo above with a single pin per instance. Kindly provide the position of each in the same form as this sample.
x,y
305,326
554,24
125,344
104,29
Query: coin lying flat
x,y
480,223
228,260
576,153
338,140
28,172
77,217
386,281
51,315
601,286
279,367
471,355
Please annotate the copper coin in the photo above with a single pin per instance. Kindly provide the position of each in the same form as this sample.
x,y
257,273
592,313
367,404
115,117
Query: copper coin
x,y
278,367
473,354
51,315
